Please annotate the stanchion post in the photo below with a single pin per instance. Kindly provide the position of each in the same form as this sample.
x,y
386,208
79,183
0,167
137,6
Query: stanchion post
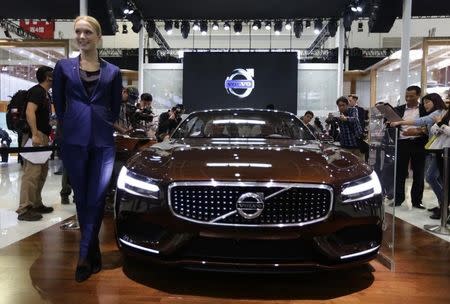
x,y
442,229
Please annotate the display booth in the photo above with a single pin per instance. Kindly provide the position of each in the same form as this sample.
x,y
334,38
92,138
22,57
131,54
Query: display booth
x,y
429,63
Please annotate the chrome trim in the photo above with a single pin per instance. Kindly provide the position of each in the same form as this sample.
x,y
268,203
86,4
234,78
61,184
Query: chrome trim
x,y
138,247
359,253
250,184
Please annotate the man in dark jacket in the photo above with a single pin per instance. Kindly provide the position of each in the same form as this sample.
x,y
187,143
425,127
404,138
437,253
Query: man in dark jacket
x,y
168,121
5,143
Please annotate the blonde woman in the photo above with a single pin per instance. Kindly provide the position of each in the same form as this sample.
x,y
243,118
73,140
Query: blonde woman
x,y
87,95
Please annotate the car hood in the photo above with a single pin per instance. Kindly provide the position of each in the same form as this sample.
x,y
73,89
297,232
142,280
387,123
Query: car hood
x,y
247,160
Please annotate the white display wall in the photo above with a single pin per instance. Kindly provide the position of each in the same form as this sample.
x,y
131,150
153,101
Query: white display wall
x,y
317,86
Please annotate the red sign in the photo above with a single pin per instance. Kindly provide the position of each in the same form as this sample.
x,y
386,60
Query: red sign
x,y
42,29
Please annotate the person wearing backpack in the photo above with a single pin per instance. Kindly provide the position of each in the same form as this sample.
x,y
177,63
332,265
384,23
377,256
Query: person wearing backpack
x,y
37,114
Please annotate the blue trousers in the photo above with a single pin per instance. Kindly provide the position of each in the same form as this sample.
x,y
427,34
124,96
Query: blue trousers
x,y
89,170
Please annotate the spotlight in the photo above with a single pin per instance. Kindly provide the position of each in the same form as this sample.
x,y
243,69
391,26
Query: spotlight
x,y
168,26
226,26
204,27
278,27
318,25
185,28
124,29
355,6
307,24
288,25
268,25
237,27
360,26
298,28
136,20
215,26
196,26
347,20
256,25
150,26
332,27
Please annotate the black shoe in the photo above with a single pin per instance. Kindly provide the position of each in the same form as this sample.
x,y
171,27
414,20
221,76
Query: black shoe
x,y
436,214
30,216
433,209
419,206
58,172
65,200
96,259
82,273
43,209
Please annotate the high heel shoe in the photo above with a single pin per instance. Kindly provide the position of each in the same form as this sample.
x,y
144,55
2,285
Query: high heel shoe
x,y
95,257
83,272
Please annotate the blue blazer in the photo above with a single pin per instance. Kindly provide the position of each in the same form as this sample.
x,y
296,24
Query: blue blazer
x,y
86,120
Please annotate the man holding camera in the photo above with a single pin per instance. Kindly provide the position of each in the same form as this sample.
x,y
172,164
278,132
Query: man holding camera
x,y
143,114
349,127
168,121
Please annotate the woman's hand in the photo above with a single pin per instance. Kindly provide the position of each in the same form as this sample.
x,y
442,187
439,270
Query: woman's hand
x,y
437,118
395,123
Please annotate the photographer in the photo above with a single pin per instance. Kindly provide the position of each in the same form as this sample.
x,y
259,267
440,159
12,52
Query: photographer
x,y
142,114
349,127
168,121
129,96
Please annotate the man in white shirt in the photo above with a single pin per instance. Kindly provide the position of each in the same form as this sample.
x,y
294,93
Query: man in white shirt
x,y
410,149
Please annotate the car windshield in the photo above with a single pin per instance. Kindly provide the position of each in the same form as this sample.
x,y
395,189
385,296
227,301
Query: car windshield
x,y
243,124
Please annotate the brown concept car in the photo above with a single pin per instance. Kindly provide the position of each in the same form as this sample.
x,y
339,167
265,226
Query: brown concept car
x,y
248,190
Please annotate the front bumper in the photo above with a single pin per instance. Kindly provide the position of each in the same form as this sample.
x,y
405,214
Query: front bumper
x,y
146,228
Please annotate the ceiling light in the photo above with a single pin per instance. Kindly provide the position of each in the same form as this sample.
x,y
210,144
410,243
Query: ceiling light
x,y
204,27
307,24
256,25
288,25
318,25
298,28
215,26
196,26
226,26
185,28
237,27
278,27
136,22
168,27
268,25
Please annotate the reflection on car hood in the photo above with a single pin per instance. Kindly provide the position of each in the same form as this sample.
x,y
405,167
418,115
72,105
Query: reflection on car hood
x,y
247,160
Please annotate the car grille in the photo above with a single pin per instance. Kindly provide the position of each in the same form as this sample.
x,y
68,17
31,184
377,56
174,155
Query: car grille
x,y
284,204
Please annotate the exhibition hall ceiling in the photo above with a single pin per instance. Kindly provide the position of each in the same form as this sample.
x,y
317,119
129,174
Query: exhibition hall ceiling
x,y
213,9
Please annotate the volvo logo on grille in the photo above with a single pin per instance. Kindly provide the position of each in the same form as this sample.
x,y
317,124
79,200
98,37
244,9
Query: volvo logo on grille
x,y
250,205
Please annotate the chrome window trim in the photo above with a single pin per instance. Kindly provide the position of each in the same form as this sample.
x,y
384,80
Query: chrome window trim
x,y
250,184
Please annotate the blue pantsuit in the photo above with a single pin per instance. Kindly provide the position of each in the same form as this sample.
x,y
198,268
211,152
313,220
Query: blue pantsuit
x,y
87,145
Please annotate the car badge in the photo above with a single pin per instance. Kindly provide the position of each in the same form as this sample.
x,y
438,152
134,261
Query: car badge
x,y
250,205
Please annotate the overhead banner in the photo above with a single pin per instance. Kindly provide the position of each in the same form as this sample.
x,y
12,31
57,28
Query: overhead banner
x,y
42,29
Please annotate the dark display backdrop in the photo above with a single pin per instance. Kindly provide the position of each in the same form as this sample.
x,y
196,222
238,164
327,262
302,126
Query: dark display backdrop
x,y
275,80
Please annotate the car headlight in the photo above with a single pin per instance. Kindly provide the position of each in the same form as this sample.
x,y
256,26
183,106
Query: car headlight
x,y
362,188
137,184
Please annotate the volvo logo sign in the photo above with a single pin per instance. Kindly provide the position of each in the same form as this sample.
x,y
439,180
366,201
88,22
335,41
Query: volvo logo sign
x,y
240,83
250,205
